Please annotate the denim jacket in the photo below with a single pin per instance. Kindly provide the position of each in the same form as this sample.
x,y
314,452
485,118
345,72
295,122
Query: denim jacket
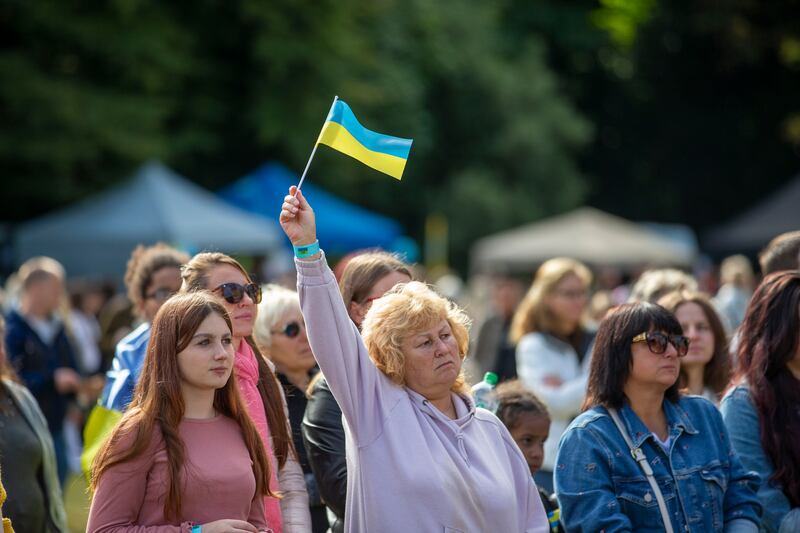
x,y
742,422
600,487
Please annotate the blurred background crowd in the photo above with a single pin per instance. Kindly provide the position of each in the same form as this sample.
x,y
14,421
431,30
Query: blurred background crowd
x,y
568,157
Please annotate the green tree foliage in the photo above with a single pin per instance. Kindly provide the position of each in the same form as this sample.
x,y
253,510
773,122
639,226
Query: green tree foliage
x,y
694,103
214,88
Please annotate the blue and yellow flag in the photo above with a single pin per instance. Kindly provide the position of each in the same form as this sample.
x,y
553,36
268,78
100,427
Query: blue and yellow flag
x,y
344,133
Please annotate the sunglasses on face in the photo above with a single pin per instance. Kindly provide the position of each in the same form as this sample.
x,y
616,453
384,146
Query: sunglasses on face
x,y
234,292
291,330
657,342
161,294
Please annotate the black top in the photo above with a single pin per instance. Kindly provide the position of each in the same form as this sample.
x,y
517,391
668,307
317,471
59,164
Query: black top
x,y
550,508
323,434
21,465
296,404
36,363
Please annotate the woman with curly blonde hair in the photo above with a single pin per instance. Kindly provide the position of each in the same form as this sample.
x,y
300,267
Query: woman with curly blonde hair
x,y
420,456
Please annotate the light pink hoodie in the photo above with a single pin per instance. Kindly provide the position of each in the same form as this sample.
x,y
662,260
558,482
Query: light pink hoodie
x,y
409,467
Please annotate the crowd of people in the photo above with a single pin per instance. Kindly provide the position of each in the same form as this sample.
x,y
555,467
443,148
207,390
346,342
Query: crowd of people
x,y
211,403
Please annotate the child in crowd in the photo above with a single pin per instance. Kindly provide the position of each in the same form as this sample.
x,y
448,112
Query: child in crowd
x,y
528,421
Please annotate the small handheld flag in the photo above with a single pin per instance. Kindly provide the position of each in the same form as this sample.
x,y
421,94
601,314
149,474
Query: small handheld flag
x,y
342,131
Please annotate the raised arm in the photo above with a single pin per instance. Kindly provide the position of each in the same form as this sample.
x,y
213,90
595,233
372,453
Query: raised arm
x,y
364,394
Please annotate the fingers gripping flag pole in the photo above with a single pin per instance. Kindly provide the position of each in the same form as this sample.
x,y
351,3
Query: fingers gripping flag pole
x,y
342,131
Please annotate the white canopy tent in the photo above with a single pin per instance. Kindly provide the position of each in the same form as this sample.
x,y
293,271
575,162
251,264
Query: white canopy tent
x,y
586,234
96,236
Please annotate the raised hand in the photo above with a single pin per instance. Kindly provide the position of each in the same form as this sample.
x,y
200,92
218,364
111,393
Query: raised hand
x,y
297,218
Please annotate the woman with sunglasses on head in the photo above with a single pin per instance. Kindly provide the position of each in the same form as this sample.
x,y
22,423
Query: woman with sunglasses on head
x,y
420,455
186,455
280,333
642,457
152,276
762,409
706,369
223,276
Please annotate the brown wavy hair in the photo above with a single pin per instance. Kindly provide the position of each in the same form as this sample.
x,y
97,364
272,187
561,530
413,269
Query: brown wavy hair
x,y
158,404
195,278
769,340
717,371
146,261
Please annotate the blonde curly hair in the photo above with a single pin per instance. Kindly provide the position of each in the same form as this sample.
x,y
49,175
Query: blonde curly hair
x,y
403,311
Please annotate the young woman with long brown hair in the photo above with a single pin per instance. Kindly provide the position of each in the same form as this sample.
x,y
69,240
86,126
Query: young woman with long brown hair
x,y
185,455
258,385
762,409
706,369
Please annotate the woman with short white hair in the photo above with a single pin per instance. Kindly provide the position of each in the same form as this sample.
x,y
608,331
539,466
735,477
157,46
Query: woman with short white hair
x,y
420,456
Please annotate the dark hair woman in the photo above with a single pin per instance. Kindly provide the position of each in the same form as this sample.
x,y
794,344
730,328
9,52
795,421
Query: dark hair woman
x,y
185,454
706,369
227,279
643,457
762,409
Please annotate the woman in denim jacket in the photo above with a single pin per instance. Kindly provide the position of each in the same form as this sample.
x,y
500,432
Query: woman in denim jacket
x,y
601,487
762,410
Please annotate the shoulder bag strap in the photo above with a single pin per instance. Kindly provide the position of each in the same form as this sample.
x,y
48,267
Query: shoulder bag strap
x,y
641,458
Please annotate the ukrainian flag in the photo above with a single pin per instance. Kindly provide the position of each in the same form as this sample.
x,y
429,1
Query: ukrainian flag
x,y
344,133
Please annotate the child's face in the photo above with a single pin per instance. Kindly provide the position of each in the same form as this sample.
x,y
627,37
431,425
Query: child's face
x,y
530,432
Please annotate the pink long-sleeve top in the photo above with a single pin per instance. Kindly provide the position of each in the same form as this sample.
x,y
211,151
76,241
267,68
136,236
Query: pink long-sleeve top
x,y
410,467
217,483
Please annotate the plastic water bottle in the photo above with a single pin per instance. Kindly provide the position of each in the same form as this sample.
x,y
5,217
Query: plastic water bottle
x,y
483,392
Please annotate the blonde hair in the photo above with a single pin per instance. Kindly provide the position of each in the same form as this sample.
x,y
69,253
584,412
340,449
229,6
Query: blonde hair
x,y
404,310
532,313
40,267
653,284
276,301
737,271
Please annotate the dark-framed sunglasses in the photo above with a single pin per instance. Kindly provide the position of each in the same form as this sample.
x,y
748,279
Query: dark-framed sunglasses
x,y
657,342
291,330
234,292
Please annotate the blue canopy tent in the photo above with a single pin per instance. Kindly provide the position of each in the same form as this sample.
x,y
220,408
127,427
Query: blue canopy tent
x,y
97,235
343,227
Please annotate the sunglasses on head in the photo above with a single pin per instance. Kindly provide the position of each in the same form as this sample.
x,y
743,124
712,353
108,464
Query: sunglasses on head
x,y
291,330
657,342
234,292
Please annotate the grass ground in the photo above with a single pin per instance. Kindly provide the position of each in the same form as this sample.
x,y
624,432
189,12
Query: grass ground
x,y
76,501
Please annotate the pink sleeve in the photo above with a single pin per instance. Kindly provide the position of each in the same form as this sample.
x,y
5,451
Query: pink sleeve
x,y
118,500
258,516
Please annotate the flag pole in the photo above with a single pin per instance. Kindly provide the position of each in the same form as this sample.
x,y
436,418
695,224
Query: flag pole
x,y
314,151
